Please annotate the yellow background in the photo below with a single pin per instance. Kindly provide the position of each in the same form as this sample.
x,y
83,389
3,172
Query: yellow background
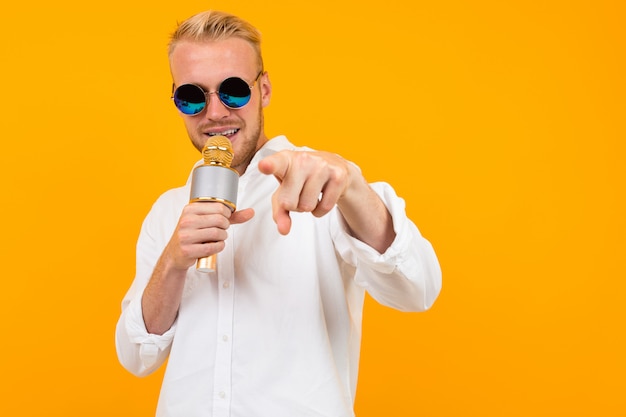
x,y
500,122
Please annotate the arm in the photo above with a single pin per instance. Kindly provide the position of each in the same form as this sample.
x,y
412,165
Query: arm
x,y
147,324
366,215
407,276
396,265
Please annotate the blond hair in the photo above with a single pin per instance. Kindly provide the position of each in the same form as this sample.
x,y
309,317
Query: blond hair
x,y
214,25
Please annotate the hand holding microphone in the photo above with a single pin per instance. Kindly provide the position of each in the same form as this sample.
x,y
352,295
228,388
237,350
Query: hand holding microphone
x,y
215,182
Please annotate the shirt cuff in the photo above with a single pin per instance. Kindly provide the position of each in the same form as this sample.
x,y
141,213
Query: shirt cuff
x,y
396,253
150,345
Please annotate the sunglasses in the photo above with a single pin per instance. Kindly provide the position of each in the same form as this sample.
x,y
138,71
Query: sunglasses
x,y
233,92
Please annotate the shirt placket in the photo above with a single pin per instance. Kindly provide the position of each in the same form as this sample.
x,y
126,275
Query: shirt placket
x,y
223,356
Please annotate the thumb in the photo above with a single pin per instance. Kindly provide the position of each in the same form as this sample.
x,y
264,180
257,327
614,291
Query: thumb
x,y
241,216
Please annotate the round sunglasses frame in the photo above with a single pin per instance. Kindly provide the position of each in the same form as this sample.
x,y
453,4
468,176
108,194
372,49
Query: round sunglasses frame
x,y
216,92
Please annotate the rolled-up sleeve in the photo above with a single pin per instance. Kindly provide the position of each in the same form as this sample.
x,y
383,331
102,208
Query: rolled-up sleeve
x,y
140,352
407,277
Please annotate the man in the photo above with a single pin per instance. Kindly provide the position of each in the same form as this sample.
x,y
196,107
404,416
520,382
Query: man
x,y
275,330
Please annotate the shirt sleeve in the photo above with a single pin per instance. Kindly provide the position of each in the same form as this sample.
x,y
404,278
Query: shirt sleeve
x,y
139,351
407,277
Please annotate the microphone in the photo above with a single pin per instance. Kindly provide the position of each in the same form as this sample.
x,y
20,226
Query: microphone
x,y
215,181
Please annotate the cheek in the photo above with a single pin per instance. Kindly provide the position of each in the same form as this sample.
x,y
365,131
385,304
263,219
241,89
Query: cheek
x,y
192,127
197,138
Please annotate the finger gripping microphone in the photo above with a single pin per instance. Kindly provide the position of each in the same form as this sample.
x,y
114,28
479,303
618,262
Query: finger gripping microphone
x,y
215,182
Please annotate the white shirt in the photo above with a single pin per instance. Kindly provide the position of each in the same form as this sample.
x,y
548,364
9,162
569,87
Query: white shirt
x,y
276,331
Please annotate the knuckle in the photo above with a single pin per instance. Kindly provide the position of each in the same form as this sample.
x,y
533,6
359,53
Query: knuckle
x,y
186,252
324,207
183,236
338,174
306,206
217,247
219,222
283,201
185,222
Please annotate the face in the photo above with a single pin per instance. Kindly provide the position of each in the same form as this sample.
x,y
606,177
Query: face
x,y
207,64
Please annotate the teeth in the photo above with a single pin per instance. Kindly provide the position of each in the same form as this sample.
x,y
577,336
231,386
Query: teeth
x,y
224,133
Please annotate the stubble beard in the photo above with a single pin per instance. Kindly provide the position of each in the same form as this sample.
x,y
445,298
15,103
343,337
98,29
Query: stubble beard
x,y
248,146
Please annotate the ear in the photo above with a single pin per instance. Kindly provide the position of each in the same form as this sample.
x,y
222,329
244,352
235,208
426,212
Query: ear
x,y
266,89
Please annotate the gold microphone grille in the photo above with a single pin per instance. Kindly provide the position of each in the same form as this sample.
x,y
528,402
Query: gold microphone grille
x,y
218,151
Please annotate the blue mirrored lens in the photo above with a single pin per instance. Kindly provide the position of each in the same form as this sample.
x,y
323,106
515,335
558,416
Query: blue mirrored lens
x,y
233,101
234,92
189,99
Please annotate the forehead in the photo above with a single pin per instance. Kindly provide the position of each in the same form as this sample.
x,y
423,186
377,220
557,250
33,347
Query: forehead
x,y
212,61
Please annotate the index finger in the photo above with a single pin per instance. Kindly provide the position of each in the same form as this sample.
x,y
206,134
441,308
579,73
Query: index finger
x,y
277,164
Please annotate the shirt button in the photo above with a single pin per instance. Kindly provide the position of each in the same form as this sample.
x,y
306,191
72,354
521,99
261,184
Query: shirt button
x,y
226,284
225,338
222,394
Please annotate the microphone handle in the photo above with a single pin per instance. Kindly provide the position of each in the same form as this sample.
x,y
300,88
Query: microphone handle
x,y
206,264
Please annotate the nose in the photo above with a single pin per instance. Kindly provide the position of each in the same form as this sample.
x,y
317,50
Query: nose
x,y
215,109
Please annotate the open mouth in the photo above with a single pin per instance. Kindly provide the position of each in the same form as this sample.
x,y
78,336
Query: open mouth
x,y
227,133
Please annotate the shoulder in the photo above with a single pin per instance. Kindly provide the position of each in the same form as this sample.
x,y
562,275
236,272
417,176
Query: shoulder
x,y
281,143
170,203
